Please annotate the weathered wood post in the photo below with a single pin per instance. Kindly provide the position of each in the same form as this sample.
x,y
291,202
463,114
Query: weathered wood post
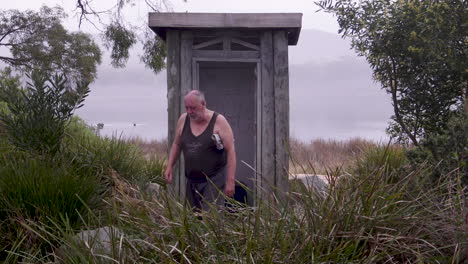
x,y
240,61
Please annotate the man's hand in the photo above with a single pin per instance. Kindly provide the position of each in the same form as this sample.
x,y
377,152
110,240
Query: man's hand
x,y
229,189
168,175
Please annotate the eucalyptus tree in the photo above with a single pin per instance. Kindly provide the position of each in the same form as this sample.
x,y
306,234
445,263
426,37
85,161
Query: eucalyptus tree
x,y
38,40
119,35
417,51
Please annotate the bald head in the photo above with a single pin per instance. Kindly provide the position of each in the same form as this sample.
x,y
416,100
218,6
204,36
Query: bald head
x,y
197,94
195,105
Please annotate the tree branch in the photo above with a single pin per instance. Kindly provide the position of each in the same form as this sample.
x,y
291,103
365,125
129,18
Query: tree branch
x,y
151,5
12,44
14,61
393,87
4,35
86,9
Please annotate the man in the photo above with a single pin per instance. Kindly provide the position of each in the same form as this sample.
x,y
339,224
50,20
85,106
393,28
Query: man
x,y
208,167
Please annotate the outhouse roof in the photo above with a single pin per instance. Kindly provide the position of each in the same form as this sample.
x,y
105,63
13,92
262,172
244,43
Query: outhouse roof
x,y
292,22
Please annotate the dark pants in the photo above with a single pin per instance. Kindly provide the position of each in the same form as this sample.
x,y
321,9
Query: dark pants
x,y
205,195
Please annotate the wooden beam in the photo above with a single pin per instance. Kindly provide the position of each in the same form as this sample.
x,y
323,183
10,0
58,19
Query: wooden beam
x,y
208,43
226,43
173,98
233,33
281,91
186,52
268,114
225,20
186,44
226,54
258,128
245,44
161,22
195,74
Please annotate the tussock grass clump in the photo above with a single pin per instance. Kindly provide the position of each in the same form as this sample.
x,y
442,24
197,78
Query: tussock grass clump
x,y
106,154
35,189
39,189
390,160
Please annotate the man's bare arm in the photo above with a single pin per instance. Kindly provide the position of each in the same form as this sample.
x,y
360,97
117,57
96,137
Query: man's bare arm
x,y
225,132
175,149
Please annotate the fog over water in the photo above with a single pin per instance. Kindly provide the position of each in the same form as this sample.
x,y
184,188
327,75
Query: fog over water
x,y
332,95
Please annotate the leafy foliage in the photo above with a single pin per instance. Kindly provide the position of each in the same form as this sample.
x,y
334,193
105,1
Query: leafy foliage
x,y
54,171
154,53
120,40
417,50
8,82
37,40
37,116
447,152
120,36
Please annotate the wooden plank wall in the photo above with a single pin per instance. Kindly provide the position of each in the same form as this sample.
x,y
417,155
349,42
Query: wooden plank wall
x,y
173,98
281,91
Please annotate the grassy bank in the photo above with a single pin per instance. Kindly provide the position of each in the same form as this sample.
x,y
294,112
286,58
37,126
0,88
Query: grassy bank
x,y
66,190
382,211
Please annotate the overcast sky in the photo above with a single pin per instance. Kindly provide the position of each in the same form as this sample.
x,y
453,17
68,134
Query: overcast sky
x,y
332,94
138,12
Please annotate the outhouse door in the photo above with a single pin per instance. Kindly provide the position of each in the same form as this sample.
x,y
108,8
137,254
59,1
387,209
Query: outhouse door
x,y
230,89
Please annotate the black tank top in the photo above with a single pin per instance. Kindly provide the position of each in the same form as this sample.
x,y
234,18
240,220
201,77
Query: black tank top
x,y
201,156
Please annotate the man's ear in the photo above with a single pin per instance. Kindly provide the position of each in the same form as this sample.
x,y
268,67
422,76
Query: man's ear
x,y
203,103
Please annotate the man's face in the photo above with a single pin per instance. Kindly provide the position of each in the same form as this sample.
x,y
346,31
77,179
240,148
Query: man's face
x,y
194,108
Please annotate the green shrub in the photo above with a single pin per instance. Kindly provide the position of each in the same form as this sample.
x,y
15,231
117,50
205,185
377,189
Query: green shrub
x,y
447,152
37,115
85,148
387,160
77,127
54,170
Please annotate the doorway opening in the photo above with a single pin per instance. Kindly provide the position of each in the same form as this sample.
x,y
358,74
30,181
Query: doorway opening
x,y
231,89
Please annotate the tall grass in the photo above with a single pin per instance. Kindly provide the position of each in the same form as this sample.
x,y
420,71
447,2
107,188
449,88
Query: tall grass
x,y
37,189
61,192
111,154
320,156
383,215
380,211
154,148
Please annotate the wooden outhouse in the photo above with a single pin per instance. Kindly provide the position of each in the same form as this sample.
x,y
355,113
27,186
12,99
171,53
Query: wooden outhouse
x,y
240,62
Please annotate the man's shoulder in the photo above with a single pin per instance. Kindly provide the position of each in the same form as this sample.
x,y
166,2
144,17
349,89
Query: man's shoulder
x,y
221,121
220,118
181,120
182,117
